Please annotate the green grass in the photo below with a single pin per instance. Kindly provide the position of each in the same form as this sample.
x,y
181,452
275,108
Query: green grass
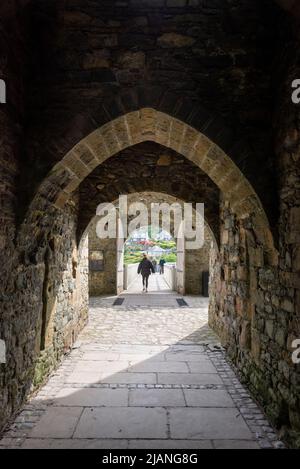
x,y
135,257
172,257
132,258
133,254
166,244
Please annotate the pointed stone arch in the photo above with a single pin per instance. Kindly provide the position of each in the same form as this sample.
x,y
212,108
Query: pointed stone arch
x,y
148,197
148,124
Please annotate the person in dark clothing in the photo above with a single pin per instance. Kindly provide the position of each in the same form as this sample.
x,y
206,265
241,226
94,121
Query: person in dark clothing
x,y
162,266
145,268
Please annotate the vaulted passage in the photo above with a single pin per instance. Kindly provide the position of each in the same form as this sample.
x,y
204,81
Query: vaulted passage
x,y
164,102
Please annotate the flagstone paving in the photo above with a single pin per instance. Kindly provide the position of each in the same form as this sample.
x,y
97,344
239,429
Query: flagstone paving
x,y
151,377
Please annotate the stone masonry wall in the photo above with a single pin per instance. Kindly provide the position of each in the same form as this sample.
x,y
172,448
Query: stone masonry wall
x,y
287,129
45,304
101,283
171,57
197,262
148,167
64,308
12,65
256,318
82,279
156,54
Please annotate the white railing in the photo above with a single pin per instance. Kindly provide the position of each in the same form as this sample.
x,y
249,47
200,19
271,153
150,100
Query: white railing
x,y
170,276
130,274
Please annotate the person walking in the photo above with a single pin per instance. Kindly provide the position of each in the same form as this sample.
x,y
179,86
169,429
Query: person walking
x,y
162,265
154,263
145,268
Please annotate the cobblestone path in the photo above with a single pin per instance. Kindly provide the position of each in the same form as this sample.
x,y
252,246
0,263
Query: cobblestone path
x,y
151,376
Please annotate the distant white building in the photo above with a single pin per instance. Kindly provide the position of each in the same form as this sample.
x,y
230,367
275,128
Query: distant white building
x,y
163,236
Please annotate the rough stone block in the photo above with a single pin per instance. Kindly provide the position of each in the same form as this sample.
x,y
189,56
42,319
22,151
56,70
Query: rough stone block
x,y
170,40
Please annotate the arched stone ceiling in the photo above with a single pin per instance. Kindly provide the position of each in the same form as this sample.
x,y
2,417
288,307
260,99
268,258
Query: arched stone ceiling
x,y
144,125
148,166
149,198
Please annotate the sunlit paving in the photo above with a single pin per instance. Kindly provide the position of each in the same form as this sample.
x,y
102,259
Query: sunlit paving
x,y
150,376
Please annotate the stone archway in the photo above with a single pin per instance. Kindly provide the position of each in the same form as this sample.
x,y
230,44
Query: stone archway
x,y
57,196
110,280
91,112
149,124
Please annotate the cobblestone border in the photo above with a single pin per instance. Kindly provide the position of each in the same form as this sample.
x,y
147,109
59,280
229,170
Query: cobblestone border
x,y
264,434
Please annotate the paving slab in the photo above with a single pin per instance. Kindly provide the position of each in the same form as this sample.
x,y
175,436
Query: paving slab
x,y
156,397
185,356
135,358
235,444
35,443
89,397
143,377
208,424
188,378
99,355
84,377
57,422
134,422
170,444
137,348
160,367
203,366
131,378
189,347
207,398
101,366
